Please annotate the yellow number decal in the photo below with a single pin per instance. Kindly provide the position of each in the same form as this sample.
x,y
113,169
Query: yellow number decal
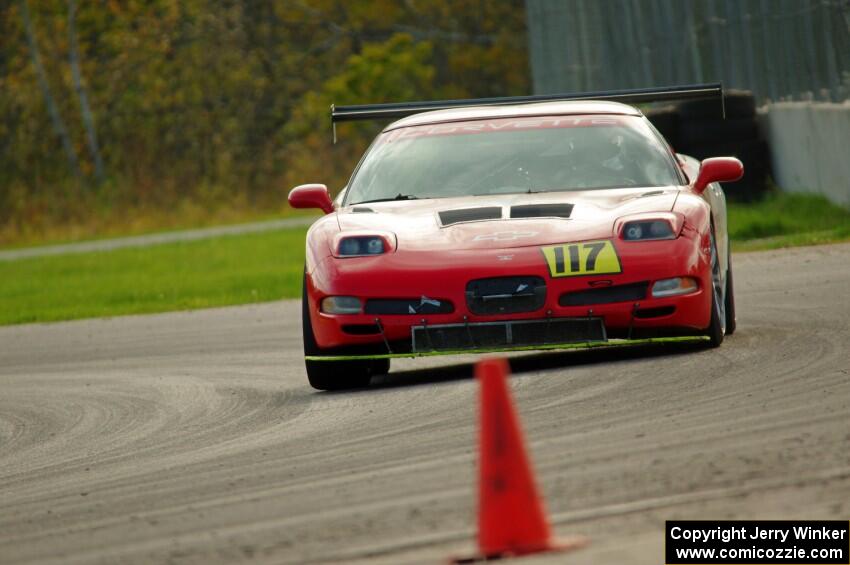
x,y
574,259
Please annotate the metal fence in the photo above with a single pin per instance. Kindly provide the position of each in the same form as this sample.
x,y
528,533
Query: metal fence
x,y
779,49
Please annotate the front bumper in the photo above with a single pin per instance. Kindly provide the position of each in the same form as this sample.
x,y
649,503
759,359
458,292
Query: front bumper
x,y
445,276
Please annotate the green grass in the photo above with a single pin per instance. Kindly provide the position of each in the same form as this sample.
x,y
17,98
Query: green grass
x,y
179,276
787,220
268,266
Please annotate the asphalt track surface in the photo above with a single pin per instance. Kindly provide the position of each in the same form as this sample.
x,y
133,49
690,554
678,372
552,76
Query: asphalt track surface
x,y
194,438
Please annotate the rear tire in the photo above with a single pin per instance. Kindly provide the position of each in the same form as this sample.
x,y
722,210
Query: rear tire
x,y
706,132
332,375
738,104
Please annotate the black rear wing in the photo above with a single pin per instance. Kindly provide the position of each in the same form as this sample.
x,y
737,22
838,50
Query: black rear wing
x,y
634,96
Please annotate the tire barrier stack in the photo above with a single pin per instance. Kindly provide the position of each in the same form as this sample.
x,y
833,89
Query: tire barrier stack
x,y
696,128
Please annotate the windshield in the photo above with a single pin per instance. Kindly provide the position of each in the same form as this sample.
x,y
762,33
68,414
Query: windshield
x,y
511,155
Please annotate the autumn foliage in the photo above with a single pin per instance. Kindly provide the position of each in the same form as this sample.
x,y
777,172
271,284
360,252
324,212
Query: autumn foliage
x,y
219,103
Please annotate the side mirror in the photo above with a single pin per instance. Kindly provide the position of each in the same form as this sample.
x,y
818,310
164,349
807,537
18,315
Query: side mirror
x,y
717,169
311,196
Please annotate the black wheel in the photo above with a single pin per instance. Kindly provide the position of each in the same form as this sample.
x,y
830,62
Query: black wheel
x,y
716,328
738,104
731,322
707,132
380,366
331,375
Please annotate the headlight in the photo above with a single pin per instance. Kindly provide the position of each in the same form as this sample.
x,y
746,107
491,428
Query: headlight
x,y
374,245
361,245
648,230
341,305
674,287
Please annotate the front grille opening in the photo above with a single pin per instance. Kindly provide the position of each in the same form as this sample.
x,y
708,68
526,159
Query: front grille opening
x,y
408,306
361,329
542,211
507,334
449,217
659,312
605,295
505,295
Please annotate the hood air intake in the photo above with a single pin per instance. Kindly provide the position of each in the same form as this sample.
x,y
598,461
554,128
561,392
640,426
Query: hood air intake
x,y
449,217
542,211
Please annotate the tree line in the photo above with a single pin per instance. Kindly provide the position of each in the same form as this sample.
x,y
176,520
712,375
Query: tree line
x,y
127,103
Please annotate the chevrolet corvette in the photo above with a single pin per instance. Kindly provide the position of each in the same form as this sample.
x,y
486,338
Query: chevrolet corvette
x,y
529,223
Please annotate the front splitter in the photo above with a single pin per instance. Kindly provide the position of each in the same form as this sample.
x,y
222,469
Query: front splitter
x,y
611,343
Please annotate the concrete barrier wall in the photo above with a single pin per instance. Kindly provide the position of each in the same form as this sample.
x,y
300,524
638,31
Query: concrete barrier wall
x,y
810,147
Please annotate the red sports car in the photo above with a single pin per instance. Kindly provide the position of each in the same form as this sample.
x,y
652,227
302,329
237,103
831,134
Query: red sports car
x,y
511,226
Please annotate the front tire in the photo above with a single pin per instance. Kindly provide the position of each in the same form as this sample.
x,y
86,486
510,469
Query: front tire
x,y
731,322
716,329
380,367
332,375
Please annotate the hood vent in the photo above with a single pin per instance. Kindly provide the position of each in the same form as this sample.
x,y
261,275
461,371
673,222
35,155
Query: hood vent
x,y
449,217
542,211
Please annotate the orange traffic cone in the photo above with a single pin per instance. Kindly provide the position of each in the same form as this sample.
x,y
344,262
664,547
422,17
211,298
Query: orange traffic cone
x,y
511,517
